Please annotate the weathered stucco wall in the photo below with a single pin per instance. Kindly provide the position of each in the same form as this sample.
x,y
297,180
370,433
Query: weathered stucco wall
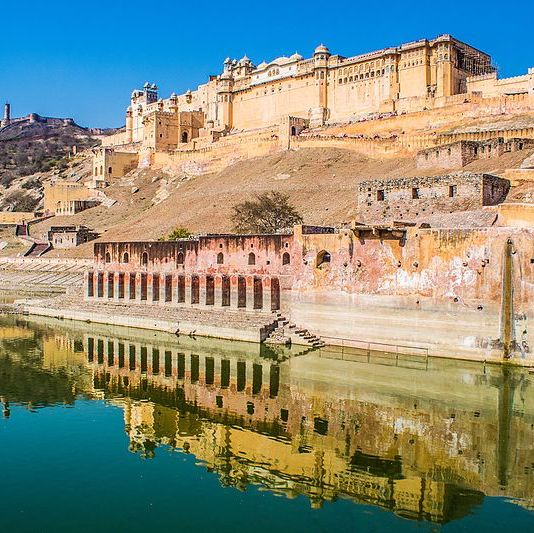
x,y
440,289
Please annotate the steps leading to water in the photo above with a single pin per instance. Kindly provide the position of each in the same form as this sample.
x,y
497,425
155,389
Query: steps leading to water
x,y
285,332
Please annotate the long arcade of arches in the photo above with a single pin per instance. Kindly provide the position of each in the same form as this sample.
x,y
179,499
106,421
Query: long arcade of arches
x,y
259,293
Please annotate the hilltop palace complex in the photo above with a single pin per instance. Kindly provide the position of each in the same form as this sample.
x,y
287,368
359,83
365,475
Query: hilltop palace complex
x,y
293,93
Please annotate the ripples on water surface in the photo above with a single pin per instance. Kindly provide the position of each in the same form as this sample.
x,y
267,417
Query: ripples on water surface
x,y
115,430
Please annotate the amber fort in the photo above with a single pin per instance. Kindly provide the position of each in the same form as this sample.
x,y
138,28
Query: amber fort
x,y
437,199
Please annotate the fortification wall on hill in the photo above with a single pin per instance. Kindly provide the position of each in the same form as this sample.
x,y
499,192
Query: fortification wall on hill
x,y
422,124
217,156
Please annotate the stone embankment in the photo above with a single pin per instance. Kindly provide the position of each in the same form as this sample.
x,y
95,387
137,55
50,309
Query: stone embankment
x,y
243,326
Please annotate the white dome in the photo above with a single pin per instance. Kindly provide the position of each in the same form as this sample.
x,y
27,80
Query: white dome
x,y
296,57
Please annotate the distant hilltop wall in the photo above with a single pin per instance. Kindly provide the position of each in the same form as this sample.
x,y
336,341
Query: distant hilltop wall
x,y
32,118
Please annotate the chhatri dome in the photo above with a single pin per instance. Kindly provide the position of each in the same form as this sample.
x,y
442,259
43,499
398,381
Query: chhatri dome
x,y
322,49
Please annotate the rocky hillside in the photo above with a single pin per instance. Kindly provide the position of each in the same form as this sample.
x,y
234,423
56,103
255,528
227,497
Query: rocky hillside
x,y
321,182
34,151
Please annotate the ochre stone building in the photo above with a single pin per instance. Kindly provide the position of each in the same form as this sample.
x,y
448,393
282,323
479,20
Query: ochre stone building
x,y
410,198
324,87
67,198
250,110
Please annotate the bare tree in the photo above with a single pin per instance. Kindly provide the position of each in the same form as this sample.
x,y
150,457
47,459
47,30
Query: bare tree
x,y
269,212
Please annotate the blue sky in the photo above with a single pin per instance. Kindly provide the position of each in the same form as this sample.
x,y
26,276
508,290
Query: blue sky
x,y
82,59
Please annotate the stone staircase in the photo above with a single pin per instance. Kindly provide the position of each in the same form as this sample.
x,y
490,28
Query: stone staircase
x,y
37,249
285,332
37,273
22,230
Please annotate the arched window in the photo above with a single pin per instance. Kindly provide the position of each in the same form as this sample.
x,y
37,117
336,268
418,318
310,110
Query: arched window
x,y
180,258
323,257
184,137
144,259
108,257
251,258
220,258
286,259
126,257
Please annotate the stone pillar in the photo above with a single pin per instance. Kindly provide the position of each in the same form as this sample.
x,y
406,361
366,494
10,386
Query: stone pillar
x,y
202,369
162,285
249,376
217,282
129,125
150,288
217,372
250,293
188,300
202,291
138,289
174,291
6,120
127,278
266,282
234,295
116,286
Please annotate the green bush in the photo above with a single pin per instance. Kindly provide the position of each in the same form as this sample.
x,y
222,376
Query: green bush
x,y
176,234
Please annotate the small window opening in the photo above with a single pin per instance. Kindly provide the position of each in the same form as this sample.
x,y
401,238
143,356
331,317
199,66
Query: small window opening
x,y
323,257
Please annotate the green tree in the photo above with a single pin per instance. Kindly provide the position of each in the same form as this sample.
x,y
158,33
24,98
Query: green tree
x,y
177,233
269,212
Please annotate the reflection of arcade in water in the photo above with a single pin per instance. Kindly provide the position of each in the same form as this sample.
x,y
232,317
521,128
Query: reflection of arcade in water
x,y
426,444
40,370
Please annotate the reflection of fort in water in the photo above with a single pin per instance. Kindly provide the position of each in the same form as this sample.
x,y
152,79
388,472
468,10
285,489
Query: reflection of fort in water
x,y
424,443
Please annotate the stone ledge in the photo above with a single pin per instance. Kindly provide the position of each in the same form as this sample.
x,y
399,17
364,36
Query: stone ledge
x,y
240,332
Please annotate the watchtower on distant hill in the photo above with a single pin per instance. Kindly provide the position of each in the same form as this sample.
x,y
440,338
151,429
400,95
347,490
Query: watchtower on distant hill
x,y
6,120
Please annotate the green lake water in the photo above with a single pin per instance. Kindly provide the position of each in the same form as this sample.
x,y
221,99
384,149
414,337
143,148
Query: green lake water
x,y
109,429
